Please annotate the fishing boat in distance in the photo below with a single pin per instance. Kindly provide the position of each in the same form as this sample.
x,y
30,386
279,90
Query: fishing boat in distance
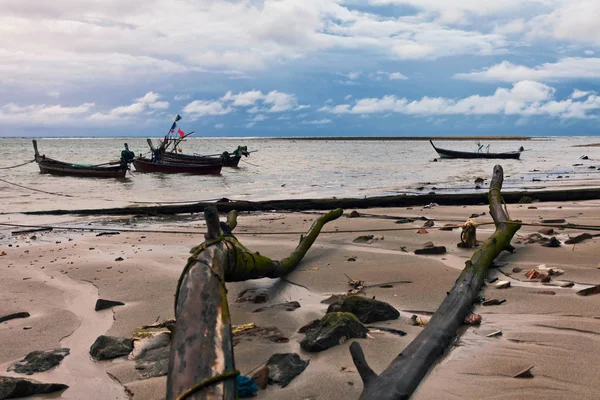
x,y
444,153
115,169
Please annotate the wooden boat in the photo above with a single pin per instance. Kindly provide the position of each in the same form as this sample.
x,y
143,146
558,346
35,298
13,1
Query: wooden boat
x,y
47,165
143,164
226,159
444,153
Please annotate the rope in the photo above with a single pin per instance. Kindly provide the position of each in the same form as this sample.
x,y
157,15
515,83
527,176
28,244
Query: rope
x,y
36,190
213,380
19,165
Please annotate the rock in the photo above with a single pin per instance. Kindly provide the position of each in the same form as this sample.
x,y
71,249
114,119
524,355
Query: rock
x,y
354,214
3,253
334,298
255,295
261,377
546,231
584,157
108,347
448,227
119,259
365,309
546,279
404,220
429,223
269,333
436,250
154,362
589,291
579,238
422,231
102,304
311,325
553,221
284,367
526,373
289,306
479,181
351,259
333,329
567,284
549,292
554,242
428,244
39,361
492,302
502,284
516,270
12,388
27,327
108,233
363,239
14,316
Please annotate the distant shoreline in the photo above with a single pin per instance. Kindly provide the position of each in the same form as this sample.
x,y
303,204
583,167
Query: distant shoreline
x,y
405,138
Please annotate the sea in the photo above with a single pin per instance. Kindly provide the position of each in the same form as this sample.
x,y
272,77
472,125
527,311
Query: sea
x,y
289,169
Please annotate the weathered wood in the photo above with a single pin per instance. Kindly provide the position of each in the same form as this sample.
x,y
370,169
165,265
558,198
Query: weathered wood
x,y
449,199
403,375
201,347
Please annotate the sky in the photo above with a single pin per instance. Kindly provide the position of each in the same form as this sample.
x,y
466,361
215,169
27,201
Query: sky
x,y
299,67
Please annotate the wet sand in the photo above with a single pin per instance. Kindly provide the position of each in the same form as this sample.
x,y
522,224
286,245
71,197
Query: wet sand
x,y
58,276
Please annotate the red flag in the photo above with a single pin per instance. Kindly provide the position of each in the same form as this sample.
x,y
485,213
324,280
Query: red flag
x,y
181,133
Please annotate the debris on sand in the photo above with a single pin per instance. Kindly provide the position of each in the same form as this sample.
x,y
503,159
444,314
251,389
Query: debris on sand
x,y
269,333
435,250
365,309
473,319
526,373
12,388
502,284
589,291
554,242
102,304
579,238
284,367
14,316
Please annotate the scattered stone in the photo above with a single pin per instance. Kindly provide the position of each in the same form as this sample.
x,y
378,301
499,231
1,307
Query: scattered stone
x,y
12,388
289,306
553,221
39,361
334,298
154,362
546,231
579,238
589,291
492,302
502,284
548,292
526,373
102,304
532,208
351,259
269,333
546,279
2,253
516,270
27,327
255,295
494,279
119,259
404,220
363,239
365,309
109,347
479,181
333,329
429,223
584,157
108,233
567,284
428,244
473,319
448,227
354,214
554,242
422,231
14,316
261,377
436,250
284,367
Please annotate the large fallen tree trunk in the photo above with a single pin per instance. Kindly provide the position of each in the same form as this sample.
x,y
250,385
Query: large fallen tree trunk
x,y
450,199
201,364
403,375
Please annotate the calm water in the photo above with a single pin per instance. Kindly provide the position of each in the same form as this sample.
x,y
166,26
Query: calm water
x,y
289,169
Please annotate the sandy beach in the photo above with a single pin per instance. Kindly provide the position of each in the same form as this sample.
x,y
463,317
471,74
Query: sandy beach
x,y
57,277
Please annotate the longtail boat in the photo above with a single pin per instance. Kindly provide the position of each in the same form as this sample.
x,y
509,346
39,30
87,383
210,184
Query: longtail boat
x,y
116,169
143,164
227,159
444,153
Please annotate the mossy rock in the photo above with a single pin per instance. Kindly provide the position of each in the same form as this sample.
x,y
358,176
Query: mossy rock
x,y
333,329
365,309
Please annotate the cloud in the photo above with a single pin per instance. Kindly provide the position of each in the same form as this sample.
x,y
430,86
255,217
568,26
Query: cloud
x,y
301,107
258,118
219,126
43,114
524,98
577,94
566,68
397,75
323,121
201,108
54,93
274,101
280,101
180,97
140,105
244,99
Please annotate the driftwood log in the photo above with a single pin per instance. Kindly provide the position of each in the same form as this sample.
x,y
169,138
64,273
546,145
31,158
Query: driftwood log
x,y
404,200
201,364
400,379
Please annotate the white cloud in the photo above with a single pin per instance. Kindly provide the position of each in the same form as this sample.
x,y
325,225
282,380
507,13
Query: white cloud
x,y
301,107
323,121
524,98
348,97
280,101
180,97
258,118
54,93
397,75
589,52
577,94
244,99
43,114
219,126
566,68
284,118
162,105
140,105
275,101
201,108
353,75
